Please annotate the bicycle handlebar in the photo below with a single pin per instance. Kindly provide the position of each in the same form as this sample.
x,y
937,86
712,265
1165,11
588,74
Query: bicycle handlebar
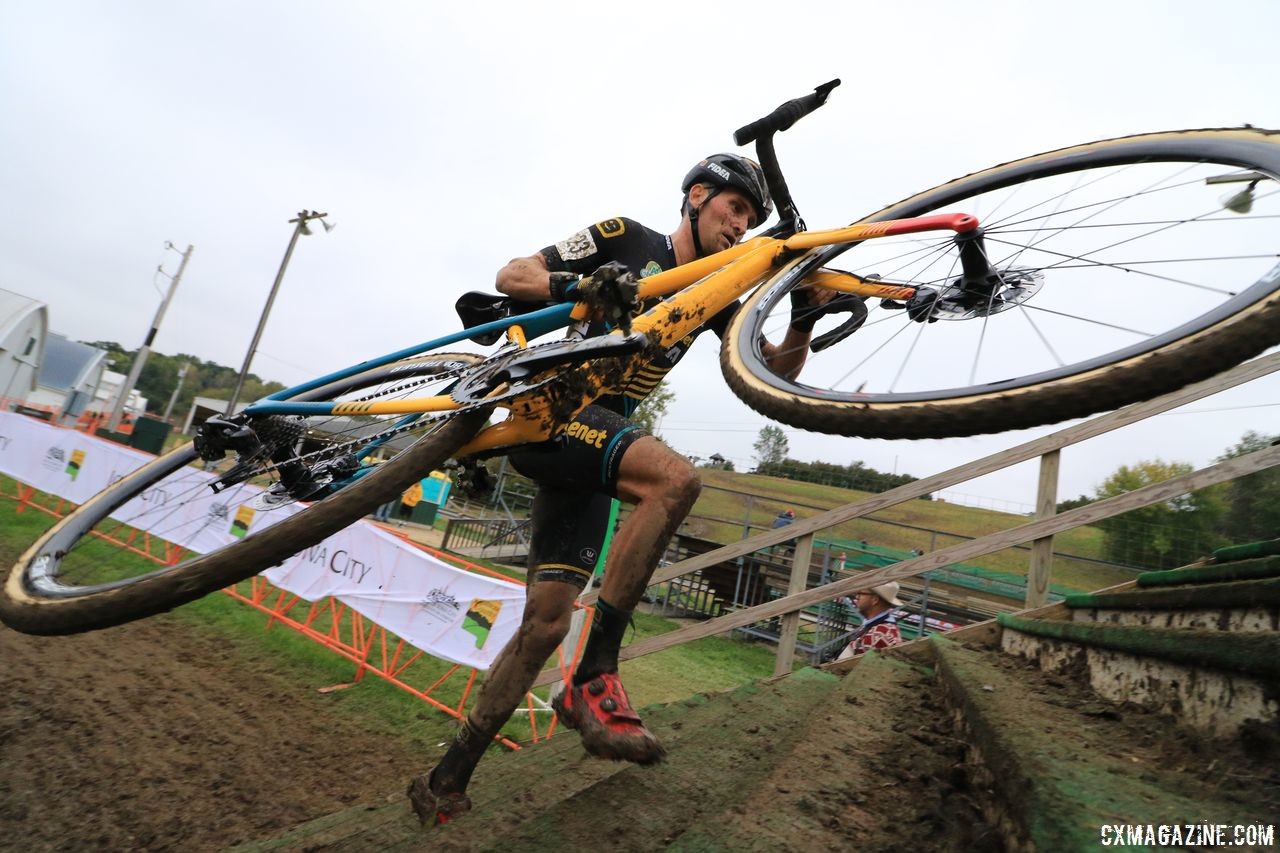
x,y
785,116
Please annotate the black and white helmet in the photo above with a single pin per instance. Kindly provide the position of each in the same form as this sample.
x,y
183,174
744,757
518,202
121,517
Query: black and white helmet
x,y
733,170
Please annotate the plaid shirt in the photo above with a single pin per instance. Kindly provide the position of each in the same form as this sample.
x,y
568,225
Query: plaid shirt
x,y
879,632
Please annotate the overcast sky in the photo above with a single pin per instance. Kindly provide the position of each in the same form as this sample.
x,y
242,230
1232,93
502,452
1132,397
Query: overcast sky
x,y
444,139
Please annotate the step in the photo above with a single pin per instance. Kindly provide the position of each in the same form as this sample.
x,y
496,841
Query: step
x,y
877,768
512,790
1247,551
391,825
1240,570
1252,605
707,766
1215,681
1063,765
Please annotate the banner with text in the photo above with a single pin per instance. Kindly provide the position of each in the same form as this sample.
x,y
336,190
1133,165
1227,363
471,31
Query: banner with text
x,y
447,612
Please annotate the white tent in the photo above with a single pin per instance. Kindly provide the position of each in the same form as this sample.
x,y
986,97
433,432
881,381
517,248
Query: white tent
x,y
24,326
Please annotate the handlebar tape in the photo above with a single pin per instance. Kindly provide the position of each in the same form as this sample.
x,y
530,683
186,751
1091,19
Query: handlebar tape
x,y
785,116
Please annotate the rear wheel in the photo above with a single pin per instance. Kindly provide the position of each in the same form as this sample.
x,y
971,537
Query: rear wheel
x,y
1128,268
183,540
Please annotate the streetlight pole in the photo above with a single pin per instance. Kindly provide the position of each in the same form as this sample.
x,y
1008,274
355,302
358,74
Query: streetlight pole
x,y
143,351
300,228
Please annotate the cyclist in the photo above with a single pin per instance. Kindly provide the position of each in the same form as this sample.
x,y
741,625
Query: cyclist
x,y
601,455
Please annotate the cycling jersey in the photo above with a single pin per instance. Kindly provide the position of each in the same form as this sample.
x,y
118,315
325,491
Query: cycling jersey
x,y
577,472
645,252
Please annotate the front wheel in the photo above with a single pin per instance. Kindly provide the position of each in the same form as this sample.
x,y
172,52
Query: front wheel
x,y
1128,268
97,567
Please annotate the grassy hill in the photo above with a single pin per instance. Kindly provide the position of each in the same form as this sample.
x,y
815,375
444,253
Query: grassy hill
x,y
731,502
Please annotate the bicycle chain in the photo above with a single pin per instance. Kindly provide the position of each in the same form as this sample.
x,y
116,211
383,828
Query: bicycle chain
x,y
332,451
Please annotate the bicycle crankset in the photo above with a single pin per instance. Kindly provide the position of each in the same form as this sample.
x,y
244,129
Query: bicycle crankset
x,y
534,367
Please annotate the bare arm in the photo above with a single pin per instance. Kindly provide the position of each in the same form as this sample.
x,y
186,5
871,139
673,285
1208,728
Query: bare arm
x,y
526,279
786,359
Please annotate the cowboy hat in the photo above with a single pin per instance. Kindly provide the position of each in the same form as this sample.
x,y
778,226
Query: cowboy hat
x,y
887,591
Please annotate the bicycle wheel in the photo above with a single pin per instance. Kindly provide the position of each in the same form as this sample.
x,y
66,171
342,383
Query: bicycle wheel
x,y
1128,268
77,577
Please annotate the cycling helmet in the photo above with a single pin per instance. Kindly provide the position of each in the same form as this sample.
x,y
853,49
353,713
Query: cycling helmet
x,y
732,170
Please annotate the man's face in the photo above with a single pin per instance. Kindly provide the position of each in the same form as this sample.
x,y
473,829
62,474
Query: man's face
x,y
865,601
724,219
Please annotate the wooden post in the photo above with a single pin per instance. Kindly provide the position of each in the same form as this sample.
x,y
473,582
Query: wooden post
x,y
800,561
1042,549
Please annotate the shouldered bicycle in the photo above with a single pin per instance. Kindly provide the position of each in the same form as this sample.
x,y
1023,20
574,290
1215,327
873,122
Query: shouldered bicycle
x,y
1035,291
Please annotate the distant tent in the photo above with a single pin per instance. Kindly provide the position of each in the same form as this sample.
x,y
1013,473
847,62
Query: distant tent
x,y
24,327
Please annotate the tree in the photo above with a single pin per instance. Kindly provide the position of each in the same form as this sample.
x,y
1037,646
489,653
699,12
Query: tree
x,y
1163,535
1253,502
771,447
653,408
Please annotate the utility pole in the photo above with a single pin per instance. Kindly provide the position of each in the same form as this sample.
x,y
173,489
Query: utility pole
x,y
300,228
145,350
173,398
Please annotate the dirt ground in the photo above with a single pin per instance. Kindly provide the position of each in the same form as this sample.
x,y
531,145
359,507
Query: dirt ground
x,y
152,737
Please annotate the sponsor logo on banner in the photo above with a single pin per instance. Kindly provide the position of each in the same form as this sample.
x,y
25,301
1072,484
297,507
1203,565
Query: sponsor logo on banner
x,y
240,524
76,463
440,605
480,619
55,459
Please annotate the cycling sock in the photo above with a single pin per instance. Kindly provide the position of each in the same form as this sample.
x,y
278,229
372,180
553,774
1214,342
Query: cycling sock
x,y
603,642
453,773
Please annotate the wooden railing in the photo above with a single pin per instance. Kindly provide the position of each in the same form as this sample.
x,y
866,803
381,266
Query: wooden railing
x,y
1039,532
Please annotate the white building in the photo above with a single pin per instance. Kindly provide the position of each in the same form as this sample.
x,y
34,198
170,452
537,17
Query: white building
x,y
24,326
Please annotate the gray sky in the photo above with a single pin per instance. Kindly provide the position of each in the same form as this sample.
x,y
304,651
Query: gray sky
x,y
443,142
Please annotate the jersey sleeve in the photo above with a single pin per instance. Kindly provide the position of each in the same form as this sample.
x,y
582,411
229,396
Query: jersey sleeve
x,y
587,250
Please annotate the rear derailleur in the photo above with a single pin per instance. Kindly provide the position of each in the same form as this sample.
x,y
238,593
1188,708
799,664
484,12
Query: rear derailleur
x,y
267,443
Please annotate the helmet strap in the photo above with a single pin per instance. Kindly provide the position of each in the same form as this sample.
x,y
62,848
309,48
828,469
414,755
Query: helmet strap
x,y
693,218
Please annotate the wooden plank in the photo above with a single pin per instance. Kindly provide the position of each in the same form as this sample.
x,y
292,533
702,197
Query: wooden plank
x,y
799,580
1042,548
1159,492
1246,372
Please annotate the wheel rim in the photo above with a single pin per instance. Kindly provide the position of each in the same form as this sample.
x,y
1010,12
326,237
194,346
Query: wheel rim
x,y
162,517
1137,252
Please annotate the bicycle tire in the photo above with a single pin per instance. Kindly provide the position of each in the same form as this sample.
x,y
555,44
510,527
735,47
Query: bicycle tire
x,y
1245,323
30,600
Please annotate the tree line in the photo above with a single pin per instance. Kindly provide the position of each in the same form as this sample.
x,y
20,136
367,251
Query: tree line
x,y
1179,531
771,459
203,379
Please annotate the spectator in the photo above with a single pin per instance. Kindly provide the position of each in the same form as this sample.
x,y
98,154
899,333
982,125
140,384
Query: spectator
x,y
879,629
412,497
784,518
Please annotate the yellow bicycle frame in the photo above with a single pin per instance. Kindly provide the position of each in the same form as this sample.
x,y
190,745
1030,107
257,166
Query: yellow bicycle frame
x,y
698,291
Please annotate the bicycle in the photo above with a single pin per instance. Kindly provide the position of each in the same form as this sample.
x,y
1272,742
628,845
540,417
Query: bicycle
x,y
1109,237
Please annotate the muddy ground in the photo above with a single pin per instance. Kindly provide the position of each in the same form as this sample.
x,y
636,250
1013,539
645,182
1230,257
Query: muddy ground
x,y
154,737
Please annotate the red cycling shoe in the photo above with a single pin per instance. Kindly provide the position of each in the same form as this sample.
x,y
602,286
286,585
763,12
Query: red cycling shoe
x,y
435,809
600,712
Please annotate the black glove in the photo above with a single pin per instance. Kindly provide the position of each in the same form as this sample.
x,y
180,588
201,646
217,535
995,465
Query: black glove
x,y
563,285
614,291
805,316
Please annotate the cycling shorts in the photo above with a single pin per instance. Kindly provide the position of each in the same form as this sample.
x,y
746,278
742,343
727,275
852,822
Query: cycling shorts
x,y
577,476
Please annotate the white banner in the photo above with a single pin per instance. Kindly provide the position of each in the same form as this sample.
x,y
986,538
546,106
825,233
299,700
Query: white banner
x,y
447,612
